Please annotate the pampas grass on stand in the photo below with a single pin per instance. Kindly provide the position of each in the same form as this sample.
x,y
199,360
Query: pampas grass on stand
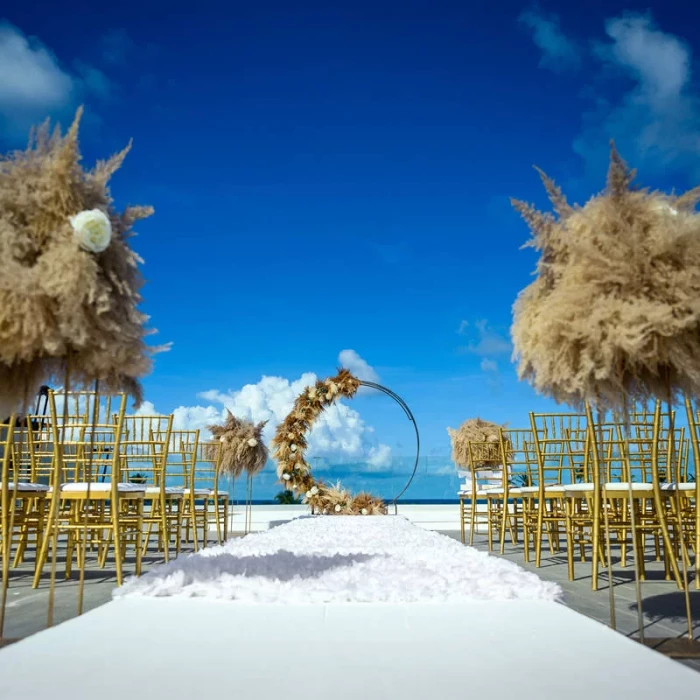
x,y
242,446
480,432
61,304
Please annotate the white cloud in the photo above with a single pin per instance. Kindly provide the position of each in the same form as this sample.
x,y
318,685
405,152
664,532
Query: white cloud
x,y
30,75
34,85
487,343
349,359
463,326
559,53
339,434
655,122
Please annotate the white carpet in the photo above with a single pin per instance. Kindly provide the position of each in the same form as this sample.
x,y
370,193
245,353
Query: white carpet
x,y
335,559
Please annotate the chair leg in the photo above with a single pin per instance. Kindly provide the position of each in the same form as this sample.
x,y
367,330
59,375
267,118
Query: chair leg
x,y
538,534
43,553
472,522
116,534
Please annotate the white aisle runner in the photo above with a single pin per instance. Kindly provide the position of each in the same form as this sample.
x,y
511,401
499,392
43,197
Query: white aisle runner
x,y
185,649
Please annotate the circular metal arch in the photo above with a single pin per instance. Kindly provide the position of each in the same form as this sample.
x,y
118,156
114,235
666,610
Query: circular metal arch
x,y
407,411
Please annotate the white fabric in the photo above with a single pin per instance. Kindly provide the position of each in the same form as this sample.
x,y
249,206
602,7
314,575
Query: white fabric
x,y
343,559
169,491
574,488
529,489
625,486
100,487
448,651
200,492
684,486
481,492
27,486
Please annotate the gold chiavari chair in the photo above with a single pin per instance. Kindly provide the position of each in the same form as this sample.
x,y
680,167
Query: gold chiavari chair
x,y
558,471
144,459
690,492
522,465
489,483
7,496
89,502
211,498
180,470
631,459
30,506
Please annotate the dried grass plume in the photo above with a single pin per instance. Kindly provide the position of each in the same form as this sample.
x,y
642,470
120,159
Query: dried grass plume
x,y
614,313
56,299
477,432
242,446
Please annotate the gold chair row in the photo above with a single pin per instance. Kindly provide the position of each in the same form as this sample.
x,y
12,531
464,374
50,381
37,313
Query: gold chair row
x,y
585,479
107,482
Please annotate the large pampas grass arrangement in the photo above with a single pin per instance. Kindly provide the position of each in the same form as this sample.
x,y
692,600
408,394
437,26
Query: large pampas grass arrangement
x,y
70,283
613,316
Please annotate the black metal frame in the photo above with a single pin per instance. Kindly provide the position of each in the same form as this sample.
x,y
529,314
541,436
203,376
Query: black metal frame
x,y
407,411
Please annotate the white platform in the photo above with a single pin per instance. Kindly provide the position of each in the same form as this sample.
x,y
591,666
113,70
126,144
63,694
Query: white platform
x,y
430,517
188,649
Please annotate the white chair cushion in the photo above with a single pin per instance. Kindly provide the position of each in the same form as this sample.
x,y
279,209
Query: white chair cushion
x,y
625,486
100,487
490,492
169,491
573,488
685,486
556,488
200,492
27,486
529,489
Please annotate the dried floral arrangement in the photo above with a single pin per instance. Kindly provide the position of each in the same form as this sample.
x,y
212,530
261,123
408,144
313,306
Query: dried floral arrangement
x,y
613,316
290,443
242,446
70,283
478,432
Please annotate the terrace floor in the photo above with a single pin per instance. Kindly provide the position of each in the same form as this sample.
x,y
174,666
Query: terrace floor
x,y
663,604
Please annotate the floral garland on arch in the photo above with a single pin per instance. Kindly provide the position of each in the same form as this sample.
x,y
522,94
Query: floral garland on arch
x,y
290,444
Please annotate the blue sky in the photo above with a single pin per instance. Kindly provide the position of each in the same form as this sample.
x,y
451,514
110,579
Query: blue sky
x,y
336,176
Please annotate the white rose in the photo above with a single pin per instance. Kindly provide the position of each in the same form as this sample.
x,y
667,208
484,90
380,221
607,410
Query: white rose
x,y
92,230
309,494
222,439
286,477
338,508
364,511
293,448
252,442
314,490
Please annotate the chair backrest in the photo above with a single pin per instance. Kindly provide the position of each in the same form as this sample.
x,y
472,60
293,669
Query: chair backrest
x,y
693,415
488,463
181,458
85,446
639,436
557,438
145,447
7,462
522,460
207,463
